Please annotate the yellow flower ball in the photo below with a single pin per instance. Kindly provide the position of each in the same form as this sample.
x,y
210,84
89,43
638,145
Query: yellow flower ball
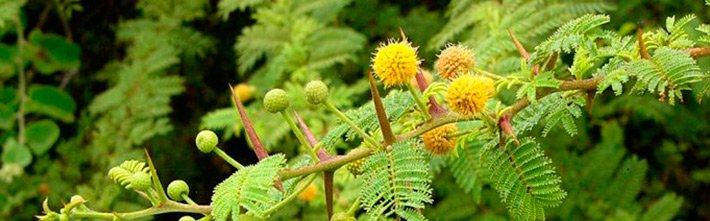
x,y
395,63
454,61
468,94
309,194
437,142
244,91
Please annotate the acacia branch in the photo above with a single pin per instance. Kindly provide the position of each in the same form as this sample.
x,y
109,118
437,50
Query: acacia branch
x,y
699,52
338,161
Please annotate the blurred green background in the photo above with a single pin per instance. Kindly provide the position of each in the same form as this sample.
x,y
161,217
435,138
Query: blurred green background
x,y
105,79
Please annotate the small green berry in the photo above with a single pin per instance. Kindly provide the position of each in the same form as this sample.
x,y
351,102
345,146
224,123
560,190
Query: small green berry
x,y
276,100
206,141
176,189
342,217
186,218
316,92
140,181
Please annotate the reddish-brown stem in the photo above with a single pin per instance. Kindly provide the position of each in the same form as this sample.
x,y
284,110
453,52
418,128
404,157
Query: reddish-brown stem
x,y
381,114
328,182
524,53
434,108
248,127
699,52
311,139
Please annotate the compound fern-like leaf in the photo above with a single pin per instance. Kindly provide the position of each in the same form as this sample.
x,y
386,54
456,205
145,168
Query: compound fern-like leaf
x,y
396,182
466,169
396,104
667,73
524,178
247,188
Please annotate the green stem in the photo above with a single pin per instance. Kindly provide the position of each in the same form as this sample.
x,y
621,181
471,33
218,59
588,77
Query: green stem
x,y
22,84
157,186
299,135
229,159
188,200
291,197
352,124
330,164
488,74
167,207
354,207
419,100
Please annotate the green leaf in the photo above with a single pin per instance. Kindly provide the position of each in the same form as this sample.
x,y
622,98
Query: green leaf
x,y
524,178
667,73
52,102
663,209
529,90
10,10
395,181
41,135
7,116
13,152
247,188
396,104
8,104
7,62
54,53
466,169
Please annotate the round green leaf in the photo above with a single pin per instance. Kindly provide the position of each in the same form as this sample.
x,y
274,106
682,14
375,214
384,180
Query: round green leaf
x,y
54,53
52,102
13,152
7,117
41,135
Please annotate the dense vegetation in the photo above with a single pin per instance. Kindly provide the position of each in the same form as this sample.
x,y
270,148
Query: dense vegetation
x,y
569,110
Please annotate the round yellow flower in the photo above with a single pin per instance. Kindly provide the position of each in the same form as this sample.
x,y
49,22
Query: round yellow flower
x,y
437,142
309,194
454,61
396,63
244,91
468,94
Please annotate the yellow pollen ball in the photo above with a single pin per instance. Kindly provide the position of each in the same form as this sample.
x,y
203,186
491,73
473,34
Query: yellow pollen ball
x,y
454,61
469,94
395,63
244,91
309,194
437,142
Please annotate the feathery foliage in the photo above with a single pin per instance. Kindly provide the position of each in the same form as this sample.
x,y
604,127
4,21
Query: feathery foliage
x,y
524,178
554,109
396,104
571,35
667,73
483,26
123,173
466,169
395,182
248,188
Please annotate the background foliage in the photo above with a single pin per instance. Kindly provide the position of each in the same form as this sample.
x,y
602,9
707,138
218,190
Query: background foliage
x,y
105,79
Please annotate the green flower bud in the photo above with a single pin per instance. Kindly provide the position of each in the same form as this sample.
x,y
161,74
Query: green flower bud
x,y
176,189
342,217
206,141
186,218
316,92
276,100
141,181
64,217
356,167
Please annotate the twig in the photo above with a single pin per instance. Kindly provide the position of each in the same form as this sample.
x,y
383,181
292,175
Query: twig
x,y
22,83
